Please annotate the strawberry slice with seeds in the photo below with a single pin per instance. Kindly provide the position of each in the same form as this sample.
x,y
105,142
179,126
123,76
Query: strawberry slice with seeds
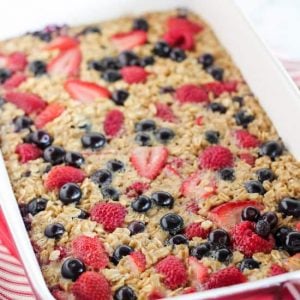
x,y
199,272
28,152
128,40
134,74
184,25
164,112
227,215
85,91
137,261
149,161
218,88
50,113
67,63
14,81
62,43
16,61
29,103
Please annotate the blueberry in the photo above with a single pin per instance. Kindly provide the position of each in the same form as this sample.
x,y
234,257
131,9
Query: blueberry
x,y
72,268
163,199
272,149
254,186
280,236
164,135
227,174
143,139
74,159
111,75
292,242
22,122
162,49
140,24
109,63
141,204
242,118
249,263
147,61
222,255
102,177
38,67
43,35
120,252
115,165
262,228
271,218
136,227
54,231
41,138
250,213
93,140
217,107
206,60
95,65
36,205
200,251
212,136
219,238
145,125
119,97
54,155
109,192
83,214
177,55
239,100
90,29
69,193
128,58
172,223
4,75
177,239
290,207
166,90
265,174
125,293
216,72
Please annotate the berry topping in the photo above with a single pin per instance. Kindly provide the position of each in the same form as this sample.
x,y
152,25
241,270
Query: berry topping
x,y
113,122
16,61
140,24
72,268
164,112
276,270
54,155
292,242
164,135
206,60
74,159
190,93
128,58
290,207
90,29
200,251
262,228
172,223
125,293
111,75
249,263
36,205
134,74
227,174
120,252
248,158
162,199
109,192
183,25
28,152
222,255
141,204
62,43
199,272
177,55
149,161
69,193
245,140
217,107
271,218
4,75
219,238
83,214
162,49
177,239
143,139
136,189
91,251
272,149
110,215
93,140
115,166
14,81
280,236
250,213
265,174
195,230
138,261
54,231
50,113
212,136
38,68
216,72
102,177
145,125
243,118
106,63
119,97
254,186
147,61
129,40
136,227
215,158
41,138
60,175
218,88
173,272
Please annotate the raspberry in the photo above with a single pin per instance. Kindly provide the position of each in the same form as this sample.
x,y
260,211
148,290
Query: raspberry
x,y
91,251
218,88
91,285
110,215
60,175
215,158
245,140
113,122
28,152
248,158
134,74
137,189
225,277
50,113
164,112
173,271
190,93
247,241
196,230
276,269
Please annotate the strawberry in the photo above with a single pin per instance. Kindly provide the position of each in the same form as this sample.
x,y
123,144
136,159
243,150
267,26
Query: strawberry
x,y
110,215
134,74
14,81
58,294
29,103
67,63
248,158
149,161
91,251
85,91
225,277
128,40
189,290
173,272
199,272
218,88
215,158
276,269
297,226
199,121
245,139
62,43
198,187
113,122
195,230
137,261
182,24
192,206
164,112
51,112
245,239
183,40
91,285
190,93
28,152
16,61
156,295
59,175
136,189
227,215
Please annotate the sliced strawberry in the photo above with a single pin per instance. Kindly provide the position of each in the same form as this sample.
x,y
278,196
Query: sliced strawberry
x,y
199,272
134,74
16,61
181,39
14,81
164,112
199,185
218,88
29,103
85,91
227,215
185,25
245,139
62,43
113,122
137,261
28,152
66,63
191,93
156,294
51,112
248,158
149,161
128,40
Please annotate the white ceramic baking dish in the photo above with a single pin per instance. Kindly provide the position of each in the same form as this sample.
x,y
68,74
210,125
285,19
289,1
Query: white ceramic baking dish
x,y
267,79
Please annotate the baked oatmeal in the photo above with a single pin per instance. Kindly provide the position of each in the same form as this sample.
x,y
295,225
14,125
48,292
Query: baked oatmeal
x,y
143,165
